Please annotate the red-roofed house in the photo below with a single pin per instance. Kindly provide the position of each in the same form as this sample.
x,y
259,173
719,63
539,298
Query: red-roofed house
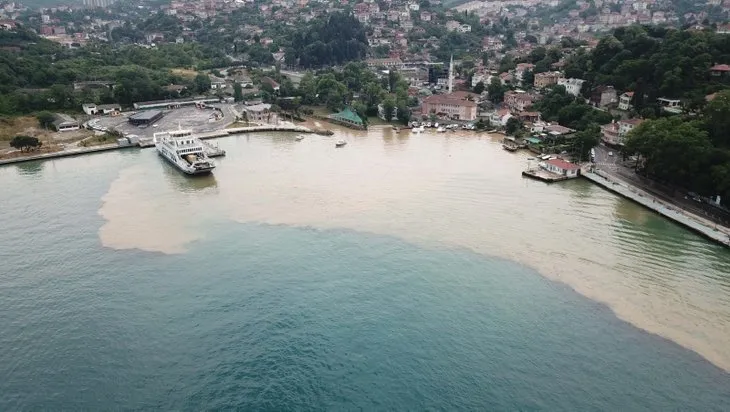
x,y
720,70
561,167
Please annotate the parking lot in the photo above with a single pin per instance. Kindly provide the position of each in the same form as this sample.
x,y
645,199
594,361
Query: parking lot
x,y
197,120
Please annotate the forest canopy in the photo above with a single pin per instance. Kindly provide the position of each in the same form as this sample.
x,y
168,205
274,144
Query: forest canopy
x,y
330,40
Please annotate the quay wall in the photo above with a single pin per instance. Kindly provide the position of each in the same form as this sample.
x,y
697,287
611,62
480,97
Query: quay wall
x,y
676,214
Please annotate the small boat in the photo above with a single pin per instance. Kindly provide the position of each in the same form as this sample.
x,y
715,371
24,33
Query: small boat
x,y
509,147
396,129
418,129
299,138
440,130
340,143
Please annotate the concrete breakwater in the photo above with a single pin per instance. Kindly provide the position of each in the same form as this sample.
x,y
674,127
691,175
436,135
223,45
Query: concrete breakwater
x,y
114,146
695,223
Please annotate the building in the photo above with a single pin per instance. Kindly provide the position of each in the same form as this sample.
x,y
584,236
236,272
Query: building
x,y
625,126
561,167
499,118
217,83
615,132
518,101
452,105
348,118
673,106
543,80
624,101
720,70
558,130
609,133
271,82
93,109
94,84
65,123
604,96
145,118
174,103
374,63
572,86
521,69
259,113
98,3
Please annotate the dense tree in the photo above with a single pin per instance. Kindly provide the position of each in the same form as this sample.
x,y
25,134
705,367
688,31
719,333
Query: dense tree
x,y
553,101
237,92
45,119
673,150
25,143
513,126
331,92
528,77
388,107
496,90
479,88
585,140
332,39
202,83
717,115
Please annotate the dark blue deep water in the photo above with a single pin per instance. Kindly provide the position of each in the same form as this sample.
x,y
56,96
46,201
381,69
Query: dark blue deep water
x,y
258,317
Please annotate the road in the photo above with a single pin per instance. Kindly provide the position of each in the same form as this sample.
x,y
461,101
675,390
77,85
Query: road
x,y
624,170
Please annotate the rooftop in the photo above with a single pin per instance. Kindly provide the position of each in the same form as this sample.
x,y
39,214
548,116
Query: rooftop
x,y
720,68
347,115
562,164
449,99
146,115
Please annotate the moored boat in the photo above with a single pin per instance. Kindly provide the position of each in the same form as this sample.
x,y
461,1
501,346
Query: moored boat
x,y
184,151
340,143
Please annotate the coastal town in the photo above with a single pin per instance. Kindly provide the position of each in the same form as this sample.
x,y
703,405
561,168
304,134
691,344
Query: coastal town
x,y
584,86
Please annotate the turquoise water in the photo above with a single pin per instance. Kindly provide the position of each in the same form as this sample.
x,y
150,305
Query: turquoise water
x,y
273,317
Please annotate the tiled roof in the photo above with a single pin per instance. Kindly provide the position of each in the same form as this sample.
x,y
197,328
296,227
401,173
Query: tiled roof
x,y
562,164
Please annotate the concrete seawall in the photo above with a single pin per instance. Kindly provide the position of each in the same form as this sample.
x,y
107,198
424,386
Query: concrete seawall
x,y
114,146
695,223
66,153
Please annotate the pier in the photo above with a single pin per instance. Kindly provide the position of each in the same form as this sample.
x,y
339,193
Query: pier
x,y
544,176
691,221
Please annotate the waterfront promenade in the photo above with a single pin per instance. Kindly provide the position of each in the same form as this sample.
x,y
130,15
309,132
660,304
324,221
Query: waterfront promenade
x,y
691,221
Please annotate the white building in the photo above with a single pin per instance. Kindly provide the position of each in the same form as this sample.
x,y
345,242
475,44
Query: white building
x,y
561,167
93,109
624,101
572,86
673,106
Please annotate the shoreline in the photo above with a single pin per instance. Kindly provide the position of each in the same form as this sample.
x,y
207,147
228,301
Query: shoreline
x,y
115,146
672,212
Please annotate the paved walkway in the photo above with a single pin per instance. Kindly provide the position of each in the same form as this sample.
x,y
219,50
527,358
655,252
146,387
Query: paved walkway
x,y
692,221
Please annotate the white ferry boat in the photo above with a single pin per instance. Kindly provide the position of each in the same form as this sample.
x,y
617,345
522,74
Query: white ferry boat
x,y
184,151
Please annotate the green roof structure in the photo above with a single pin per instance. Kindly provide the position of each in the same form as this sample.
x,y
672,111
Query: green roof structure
x,y
347,116
534,140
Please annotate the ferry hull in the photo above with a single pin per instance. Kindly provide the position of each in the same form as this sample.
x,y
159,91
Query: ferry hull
x,y
187,171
